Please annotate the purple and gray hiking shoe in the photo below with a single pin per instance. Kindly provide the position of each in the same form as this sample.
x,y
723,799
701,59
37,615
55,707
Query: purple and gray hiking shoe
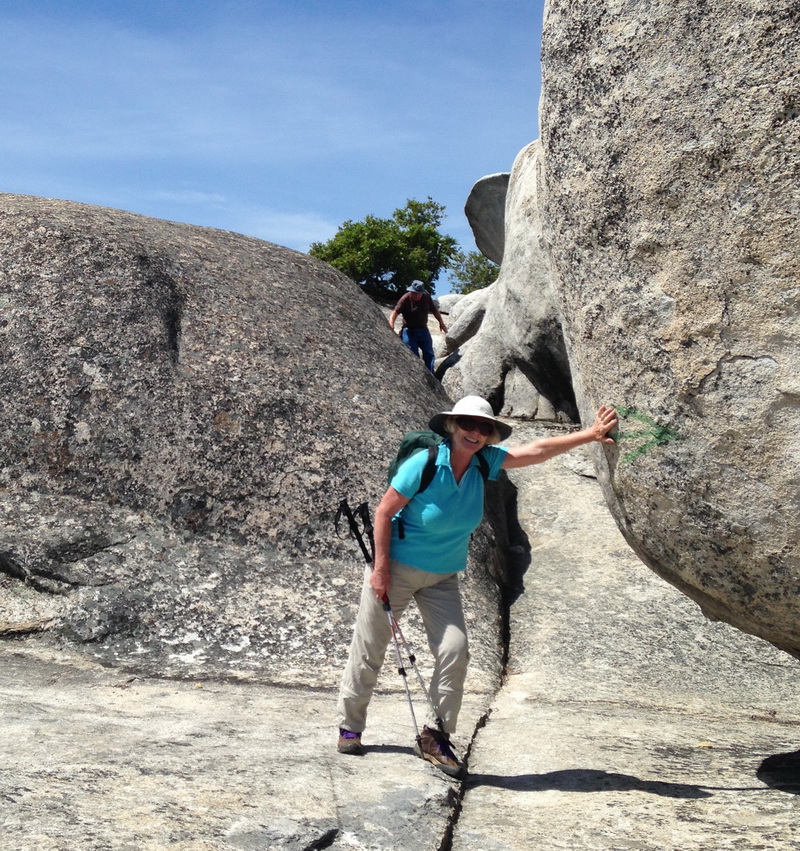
x,y
350,743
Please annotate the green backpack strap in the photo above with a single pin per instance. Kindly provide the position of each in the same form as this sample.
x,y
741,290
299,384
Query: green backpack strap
x,y
429,470
412,443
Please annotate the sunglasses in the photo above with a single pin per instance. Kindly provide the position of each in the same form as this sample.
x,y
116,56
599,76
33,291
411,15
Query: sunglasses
x,y
469,424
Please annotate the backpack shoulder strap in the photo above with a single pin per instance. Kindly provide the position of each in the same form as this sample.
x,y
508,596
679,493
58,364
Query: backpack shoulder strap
x,y
483,464
429,471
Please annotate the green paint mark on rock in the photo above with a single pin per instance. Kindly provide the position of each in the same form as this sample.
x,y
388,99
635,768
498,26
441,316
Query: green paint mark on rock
x,y
647,434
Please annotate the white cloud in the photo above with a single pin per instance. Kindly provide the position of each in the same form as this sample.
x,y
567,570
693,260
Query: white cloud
x,y
189,198
294,230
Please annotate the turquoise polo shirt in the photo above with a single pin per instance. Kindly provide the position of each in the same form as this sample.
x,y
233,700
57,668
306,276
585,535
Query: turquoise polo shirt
x,y
439,521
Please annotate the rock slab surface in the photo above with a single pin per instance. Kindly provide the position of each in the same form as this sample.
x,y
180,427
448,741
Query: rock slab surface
x,y
627,721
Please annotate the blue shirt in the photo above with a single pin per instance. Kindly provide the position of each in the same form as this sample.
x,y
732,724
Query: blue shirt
x,y
438,522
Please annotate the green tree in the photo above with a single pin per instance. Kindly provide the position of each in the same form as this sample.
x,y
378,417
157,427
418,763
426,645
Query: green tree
x,y
385,255
472,271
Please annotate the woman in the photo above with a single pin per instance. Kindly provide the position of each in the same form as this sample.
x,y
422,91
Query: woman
x,y
425,562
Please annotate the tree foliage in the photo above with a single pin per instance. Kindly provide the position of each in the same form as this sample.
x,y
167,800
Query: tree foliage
x,y
472,271
385,255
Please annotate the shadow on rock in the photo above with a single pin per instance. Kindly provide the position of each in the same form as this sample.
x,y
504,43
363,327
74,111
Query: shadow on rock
x,y
451,360
781,771
389,749
586,780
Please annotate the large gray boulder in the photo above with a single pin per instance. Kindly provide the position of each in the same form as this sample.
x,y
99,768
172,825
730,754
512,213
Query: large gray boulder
x,y
183,409
516,357
485,210
671,137
466,318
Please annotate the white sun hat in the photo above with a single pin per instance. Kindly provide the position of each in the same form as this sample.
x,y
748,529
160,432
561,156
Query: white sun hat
x,y
470,406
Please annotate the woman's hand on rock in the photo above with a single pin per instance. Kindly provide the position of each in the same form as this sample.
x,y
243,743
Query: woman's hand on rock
x,y
605,420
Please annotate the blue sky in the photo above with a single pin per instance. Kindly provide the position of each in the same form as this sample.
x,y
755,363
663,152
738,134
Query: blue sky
x,y
280,120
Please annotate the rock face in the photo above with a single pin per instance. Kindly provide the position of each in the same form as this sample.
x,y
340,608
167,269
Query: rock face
x,y
485,210
519,360
671,137
183,409
466,318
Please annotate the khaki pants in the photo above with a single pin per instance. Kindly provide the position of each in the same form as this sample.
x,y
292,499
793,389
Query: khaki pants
x,y
439,601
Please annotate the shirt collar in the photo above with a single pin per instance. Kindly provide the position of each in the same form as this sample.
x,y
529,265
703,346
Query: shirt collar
x,y
443,458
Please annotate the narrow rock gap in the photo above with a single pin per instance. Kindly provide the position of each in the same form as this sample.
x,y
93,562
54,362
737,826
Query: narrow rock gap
x,y
50,573
168,300
11,567
459,792
517,560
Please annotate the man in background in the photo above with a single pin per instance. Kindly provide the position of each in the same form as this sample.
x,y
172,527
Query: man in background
x,y
414,307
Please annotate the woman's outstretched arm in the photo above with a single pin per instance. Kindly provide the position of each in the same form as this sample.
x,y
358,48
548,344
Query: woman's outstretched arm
x,y
545,448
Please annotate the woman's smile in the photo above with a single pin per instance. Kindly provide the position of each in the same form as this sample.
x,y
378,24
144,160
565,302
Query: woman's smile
x,y
473,432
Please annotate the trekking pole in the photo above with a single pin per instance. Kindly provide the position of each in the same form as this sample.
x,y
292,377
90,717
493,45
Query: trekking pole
x,y
412,660
369,531
362,512
395,628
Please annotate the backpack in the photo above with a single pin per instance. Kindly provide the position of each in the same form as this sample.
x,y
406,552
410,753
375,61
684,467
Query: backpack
x,y
428,441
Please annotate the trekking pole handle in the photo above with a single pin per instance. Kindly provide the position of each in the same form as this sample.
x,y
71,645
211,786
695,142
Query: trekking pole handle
x,y
355,532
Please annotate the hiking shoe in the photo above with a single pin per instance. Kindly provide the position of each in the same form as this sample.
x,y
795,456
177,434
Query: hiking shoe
x,y
435,747
350,743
